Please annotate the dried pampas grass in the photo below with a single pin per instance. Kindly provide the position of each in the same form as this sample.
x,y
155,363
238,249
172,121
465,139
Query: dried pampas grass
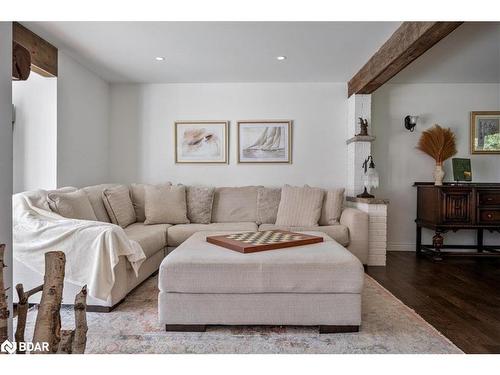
x,y
438,143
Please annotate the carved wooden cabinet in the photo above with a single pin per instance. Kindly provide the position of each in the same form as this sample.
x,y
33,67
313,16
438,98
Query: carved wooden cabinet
x,y
457,206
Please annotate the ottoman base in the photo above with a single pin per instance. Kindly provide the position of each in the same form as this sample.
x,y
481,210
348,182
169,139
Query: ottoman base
x,y
202,328
333,312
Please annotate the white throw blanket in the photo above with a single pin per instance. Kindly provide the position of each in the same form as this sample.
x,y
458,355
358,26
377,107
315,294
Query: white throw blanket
x,y
92,248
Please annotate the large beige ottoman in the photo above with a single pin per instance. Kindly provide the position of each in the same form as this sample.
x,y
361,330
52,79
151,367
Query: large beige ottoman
x,y
203,284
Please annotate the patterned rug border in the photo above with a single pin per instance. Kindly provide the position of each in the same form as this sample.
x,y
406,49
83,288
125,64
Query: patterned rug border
x,y
415,314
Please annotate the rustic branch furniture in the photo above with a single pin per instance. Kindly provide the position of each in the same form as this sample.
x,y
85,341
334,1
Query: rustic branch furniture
x,y
453,207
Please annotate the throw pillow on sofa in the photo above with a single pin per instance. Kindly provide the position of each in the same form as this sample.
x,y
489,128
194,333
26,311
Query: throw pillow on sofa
x,y
138,196
73,205
332,207
199,201
300,206
94,192
119,205
165,204
235,204
268,201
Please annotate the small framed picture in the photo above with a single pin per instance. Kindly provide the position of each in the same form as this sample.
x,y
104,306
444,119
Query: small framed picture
x,y
462,170
267,141
485,132
201,141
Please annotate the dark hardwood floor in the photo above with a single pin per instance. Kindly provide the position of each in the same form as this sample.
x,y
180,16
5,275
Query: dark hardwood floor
x,y
459,296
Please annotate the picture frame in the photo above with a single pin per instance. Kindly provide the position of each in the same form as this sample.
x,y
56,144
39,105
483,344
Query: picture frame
x,y
264,141
485,132
462,170
201,142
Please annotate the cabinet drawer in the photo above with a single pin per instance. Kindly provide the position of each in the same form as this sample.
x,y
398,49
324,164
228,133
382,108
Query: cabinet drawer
x,y
489,216
489,198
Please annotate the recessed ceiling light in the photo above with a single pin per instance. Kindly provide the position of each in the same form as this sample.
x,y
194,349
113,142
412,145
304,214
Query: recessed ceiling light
x,y
159,58
281,58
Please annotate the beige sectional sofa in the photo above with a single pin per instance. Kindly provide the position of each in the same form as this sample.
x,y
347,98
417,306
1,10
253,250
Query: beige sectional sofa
x,y
233,209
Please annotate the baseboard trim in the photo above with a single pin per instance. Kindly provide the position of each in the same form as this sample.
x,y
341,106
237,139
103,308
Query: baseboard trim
x,y
400,246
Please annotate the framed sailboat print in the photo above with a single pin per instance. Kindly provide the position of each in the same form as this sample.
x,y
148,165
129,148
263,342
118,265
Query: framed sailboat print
x,y
267,141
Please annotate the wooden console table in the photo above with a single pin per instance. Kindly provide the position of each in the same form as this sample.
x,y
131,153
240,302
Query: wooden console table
x,y
453,207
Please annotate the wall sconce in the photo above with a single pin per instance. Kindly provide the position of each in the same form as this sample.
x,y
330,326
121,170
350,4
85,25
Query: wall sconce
x,y
411,122
370,179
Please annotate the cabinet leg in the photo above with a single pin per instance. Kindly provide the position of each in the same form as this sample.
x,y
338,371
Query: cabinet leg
x,y
437,243
418,242
480,241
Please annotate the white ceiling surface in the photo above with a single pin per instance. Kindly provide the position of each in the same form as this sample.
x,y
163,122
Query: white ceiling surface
x,y
470,54
219,51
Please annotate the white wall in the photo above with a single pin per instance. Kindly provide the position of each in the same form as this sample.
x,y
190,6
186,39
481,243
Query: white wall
x,y
6,151
142,143
35,133
400,164
83,125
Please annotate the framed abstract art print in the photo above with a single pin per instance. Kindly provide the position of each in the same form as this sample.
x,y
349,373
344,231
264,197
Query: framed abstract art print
x,y
201,142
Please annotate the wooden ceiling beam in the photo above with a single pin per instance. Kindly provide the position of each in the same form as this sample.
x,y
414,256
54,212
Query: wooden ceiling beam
x,y
407,43
43,54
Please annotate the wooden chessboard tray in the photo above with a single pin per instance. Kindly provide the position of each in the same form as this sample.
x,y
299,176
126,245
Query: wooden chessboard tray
x,y
251,242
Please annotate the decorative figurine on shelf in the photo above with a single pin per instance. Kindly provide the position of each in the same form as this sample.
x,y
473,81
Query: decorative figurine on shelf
x,y
363,124
370,178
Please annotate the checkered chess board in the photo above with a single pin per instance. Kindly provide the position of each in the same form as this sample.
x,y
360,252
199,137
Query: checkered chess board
x,y
265,237
250,242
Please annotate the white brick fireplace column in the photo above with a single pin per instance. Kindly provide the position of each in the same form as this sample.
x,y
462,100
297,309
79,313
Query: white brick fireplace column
x,y
358,149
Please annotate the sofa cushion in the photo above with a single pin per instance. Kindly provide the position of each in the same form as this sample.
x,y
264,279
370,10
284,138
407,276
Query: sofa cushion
x,y
165,204
180,233
200,267
235,204
95,196
152,238
268,201
332,206
72,204
300,206
138,195
199,203
119,205
338,232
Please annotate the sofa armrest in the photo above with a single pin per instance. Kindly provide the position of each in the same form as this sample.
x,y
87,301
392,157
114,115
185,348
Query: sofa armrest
x,y
357,223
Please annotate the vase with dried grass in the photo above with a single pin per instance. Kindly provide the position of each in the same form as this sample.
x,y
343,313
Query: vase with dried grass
x,y
439,144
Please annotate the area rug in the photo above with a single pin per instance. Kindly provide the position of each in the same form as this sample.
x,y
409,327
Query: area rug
x,y
388,327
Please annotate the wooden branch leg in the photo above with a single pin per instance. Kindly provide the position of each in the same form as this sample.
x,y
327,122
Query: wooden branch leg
x,y
4,308
48,320
66,343
81,328
22,312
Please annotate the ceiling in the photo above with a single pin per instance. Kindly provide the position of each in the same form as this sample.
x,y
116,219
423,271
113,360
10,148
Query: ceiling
x,y
219,51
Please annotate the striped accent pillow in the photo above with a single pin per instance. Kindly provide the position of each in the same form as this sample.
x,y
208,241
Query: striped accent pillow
x,y
119,205
332,207
300,206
